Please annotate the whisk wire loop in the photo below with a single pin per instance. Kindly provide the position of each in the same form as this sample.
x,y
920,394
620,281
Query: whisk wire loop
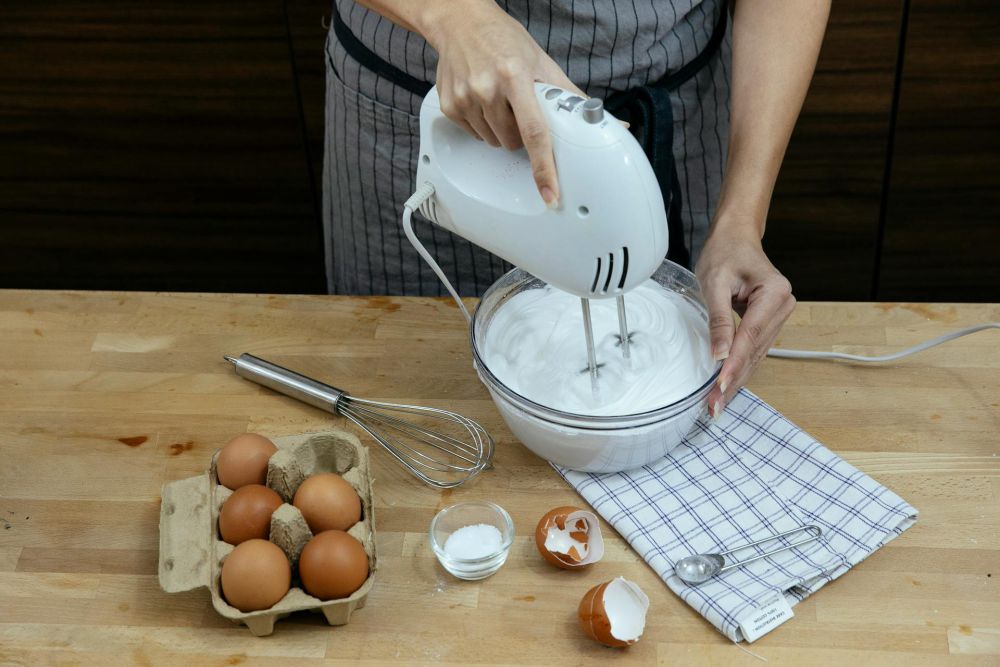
x,y
443,458
432,463
410,426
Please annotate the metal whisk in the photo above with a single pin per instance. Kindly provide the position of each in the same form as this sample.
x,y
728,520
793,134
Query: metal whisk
x,y
438,458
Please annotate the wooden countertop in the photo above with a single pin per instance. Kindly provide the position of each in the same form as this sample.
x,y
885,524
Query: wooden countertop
x,y
106,396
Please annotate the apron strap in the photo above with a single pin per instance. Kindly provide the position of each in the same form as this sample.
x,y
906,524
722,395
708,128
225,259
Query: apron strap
x,y
372,61
673,81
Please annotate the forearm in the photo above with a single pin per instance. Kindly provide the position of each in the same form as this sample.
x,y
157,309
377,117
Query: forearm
x,y
424,16
775,46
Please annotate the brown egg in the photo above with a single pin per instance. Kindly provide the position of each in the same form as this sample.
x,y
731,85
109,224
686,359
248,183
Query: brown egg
x,y
244,460
255,575
328,503
246,515
614,613
333,565
569,537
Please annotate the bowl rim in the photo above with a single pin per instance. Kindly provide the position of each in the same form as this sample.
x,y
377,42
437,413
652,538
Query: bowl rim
x,y
508,539
573,419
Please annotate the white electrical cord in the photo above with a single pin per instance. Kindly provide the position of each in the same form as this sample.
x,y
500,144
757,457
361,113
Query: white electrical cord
x,y
810,354
422,194
426,191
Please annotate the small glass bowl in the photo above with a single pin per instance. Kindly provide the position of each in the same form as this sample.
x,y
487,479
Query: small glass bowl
x,y
453,517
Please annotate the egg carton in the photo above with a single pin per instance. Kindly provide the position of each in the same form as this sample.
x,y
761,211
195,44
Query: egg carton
x,y
192,552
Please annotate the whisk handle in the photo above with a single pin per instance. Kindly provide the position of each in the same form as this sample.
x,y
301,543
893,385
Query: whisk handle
x,y
287,382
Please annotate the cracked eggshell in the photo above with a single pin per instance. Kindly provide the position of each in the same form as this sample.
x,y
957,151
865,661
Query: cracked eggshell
x,y
569,537
614,613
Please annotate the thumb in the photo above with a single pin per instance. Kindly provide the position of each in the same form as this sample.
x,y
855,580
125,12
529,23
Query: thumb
x,y
721,327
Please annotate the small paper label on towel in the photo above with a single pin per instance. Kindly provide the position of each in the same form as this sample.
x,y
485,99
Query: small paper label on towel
x,y
766,617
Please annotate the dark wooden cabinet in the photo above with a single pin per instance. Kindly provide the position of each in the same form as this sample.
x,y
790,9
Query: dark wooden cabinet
x,y
153,146
178,146
307,27
823,226
942,225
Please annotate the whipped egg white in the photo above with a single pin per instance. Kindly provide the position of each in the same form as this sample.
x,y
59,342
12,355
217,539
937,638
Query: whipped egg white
x,y
535,346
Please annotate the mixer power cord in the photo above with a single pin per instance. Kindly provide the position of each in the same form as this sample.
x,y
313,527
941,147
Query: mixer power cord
x,y
811,354
414,203
417,202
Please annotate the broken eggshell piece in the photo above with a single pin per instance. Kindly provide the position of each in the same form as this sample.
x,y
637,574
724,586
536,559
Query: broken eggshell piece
x,y
614,613
569,537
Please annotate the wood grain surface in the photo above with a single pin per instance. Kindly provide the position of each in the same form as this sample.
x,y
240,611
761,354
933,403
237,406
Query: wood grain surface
x,y
941,228
106,396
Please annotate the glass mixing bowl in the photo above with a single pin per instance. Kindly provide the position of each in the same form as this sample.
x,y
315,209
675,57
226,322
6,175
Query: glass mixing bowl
x,y
584,442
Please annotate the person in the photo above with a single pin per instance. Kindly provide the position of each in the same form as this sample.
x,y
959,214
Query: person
x,y
726,123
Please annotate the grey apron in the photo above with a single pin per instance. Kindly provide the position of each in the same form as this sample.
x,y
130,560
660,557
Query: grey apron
x,y
606,47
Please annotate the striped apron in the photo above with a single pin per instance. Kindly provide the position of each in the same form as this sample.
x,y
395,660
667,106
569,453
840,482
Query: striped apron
x,y
605,47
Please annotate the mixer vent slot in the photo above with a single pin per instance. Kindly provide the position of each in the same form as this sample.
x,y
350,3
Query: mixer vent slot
x,y
429,209
611,269
603,279
621,281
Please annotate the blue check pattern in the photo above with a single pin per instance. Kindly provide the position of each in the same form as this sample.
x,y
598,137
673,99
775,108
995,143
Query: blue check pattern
x,y
750,475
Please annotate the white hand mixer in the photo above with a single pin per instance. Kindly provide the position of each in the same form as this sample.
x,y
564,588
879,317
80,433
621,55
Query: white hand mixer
x,y
608,232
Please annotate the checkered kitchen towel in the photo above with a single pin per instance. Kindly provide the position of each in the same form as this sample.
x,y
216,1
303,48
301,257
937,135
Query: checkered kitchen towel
x,y
750,475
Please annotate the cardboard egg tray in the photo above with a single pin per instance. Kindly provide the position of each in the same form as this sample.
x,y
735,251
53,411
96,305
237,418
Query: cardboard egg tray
x,y
192,552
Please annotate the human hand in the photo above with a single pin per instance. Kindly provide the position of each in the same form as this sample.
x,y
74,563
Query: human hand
x,y
487,68
736,275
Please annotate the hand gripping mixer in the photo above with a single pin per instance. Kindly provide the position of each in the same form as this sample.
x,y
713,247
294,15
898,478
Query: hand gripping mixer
x,y
608,232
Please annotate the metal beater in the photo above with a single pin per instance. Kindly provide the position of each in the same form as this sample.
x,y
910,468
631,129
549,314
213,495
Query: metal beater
x,y
441,459
588,335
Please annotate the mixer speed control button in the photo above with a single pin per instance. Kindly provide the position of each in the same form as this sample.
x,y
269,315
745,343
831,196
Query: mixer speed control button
x,y
570,102
553,93
593,110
